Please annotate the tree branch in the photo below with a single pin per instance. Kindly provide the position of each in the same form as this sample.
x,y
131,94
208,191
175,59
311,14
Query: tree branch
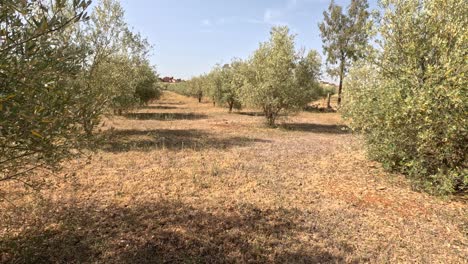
x,y
42,34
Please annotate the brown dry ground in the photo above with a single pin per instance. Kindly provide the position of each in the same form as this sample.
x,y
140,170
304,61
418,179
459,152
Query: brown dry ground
x,y
182,182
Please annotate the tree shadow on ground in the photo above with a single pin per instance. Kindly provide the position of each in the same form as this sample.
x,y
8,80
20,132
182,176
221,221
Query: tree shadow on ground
x,y
171,103
147,140
161,107
316,109
251,113
165,116
171,232
317,128
254,113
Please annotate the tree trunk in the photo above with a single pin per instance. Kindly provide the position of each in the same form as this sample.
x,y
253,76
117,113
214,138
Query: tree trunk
x,y
271,120
271,117
340,88
88,127
199,98
329,101
231,105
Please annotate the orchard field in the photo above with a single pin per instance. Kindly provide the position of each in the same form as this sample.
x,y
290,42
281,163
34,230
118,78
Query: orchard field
x,y
341,138
184,182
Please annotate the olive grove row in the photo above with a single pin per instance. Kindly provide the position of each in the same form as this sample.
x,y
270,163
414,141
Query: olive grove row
x,y
276,78
401,70
61,70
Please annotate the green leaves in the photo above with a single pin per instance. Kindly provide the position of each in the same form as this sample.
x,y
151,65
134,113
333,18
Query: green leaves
x,y
411,105
58,76
345,37
37,124
275,79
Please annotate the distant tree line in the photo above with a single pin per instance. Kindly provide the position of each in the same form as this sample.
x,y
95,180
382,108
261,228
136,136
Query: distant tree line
x,y
276,78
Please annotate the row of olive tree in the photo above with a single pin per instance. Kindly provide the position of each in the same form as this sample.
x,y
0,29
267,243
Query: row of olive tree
x,y
60,71
117,73
410,99
276,78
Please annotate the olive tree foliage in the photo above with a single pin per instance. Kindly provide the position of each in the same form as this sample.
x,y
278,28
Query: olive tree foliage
x,y
147,84
39,62
59,73
411,102
224,83
307,74
182,88
112,65
278,79
213,85
345,37
196,86
234,81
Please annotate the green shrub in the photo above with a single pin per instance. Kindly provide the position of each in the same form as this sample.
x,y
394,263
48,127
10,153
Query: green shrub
x,y
411,105
181,88
147,84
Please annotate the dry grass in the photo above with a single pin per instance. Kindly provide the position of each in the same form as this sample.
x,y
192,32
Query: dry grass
x,y
182,182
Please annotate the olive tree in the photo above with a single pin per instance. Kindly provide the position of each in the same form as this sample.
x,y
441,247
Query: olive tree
x,y
224,83
182,88
196,86
275,81
59,73
119,73
234,81
411,103
38,65
214,84
147,83
109,79
307,74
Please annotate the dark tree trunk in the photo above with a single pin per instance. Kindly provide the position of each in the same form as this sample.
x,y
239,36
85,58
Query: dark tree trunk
x,y
329,101
271,120
340,87
88,127
340,90
231,105
271,116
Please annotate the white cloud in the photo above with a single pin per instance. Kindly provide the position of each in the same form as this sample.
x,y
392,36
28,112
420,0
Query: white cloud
x,y
275,16
271,16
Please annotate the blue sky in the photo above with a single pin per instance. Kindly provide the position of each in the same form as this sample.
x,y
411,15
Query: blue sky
x,y
191,36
